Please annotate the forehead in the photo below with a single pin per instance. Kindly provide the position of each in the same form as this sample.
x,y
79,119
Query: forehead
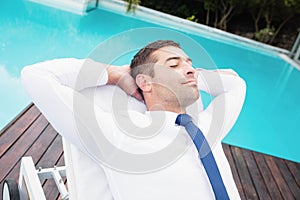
x,y
169,51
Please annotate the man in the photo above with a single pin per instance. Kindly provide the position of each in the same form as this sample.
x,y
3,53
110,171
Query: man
x,y
160,162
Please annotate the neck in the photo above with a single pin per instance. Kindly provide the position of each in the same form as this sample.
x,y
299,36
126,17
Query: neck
x,y
164,106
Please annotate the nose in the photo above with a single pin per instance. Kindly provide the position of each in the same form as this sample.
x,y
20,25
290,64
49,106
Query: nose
x,y
188,69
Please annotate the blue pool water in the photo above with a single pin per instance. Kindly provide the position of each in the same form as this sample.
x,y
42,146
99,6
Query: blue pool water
x,y
30,33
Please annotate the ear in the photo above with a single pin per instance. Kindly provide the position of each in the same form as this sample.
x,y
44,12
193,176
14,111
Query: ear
x,y
144,82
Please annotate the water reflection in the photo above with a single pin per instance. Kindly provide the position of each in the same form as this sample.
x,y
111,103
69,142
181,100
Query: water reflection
x,y
13,97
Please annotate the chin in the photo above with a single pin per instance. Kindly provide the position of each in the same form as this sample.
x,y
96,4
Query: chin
x,y
191,100
196,94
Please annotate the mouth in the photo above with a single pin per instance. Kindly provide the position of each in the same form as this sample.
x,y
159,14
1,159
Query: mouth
x,y
190,82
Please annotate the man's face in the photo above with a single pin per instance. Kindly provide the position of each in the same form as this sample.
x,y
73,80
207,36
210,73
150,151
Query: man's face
x,y
175,79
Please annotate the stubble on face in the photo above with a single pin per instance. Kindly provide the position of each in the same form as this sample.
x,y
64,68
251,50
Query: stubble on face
x,y
170,82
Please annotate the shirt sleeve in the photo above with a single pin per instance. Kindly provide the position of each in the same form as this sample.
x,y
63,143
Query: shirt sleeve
x,y
75,73
216,82
229,92
54,88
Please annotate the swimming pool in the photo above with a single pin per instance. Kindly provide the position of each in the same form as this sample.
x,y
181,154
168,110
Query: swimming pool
x,y
31,33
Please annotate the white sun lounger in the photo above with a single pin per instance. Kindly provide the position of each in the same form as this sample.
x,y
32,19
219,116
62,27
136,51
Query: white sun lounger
x,y
29,186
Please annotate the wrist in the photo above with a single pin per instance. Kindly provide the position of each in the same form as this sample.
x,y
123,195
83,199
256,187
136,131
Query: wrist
x,y
113,75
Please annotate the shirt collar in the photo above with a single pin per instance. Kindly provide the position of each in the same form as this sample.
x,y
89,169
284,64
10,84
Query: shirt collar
x,y
168,116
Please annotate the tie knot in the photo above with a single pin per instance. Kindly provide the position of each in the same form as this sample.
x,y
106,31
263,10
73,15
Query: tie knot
x,y
183,119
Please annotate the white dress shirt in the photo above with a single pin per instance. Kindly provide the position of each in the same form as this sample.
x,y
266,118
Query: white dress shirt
x,y
160,166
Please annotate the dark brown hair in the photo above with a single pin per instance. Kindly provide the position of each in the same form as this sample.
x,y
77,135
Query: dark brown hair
x,y
142,62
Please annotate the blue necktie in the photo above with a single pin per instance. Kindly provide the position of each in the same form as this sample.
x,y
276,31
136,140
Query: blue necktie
x,y
206,156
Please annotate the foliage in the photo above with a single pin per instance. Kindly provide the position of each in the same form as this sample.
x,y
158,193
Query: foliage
x,y
269,17
132,5
180,8
192,18
272,13
223,11
265,34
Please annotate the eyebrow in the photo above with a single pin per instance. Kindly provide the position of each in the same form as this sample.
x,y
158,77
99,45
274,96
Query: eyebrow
x,y
176,58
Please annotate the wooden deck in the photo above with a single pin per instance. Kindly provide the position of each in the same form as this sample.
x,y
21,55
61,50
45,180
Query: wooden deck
x,y
257,176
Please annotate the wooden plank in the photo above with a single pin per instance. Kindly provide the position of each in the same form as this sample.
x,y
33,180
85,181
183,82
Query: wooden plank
x,y
14,132
50,159
244,174
39,148
51,191
267,176
288,177
227,151
52,154
257,176
36,151
295,170
282,185
260,185
16,118
13,155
